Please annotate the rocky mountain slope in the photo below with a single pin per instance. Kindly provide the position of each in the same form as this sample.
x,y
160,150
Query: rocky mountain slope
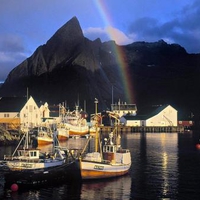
x,y
71,67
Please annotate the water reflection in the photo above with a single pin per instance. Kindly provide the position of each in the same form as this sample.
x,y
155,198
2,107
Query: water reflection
x,y
117,188
155,164
164,166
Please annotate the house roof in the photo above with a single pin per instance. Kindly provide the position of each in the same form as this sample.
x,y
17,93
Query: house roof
x,y
12,104
147,112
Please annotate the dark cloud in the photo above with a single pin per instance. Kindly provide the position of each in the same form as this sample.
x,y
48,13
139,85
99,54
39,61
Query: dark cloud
x,y
184,29
11,43
8,61
12,53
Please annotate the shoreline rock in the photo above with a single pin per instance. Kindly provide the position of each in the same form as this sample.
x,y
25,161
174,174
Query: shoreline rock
x,y
9,137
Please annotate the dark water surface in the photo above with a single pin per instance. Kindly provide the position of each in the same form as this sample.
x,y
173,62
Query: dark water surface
x,y
164,166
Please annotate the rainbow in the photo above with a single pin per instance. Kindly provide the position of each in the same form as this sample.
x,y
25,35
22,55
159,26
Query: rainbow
x,y
127,82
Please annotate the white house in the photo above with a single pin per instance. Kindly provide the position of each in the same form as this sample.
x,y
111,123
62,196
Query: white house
x,y
158,116
44,110
30,114
19,112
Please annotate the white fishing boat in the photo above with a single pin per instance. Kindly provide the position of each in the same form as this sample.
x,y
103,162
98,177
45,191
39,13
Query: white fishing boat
x,y
30,167
76,123
28,158
63,132
44,135
110,161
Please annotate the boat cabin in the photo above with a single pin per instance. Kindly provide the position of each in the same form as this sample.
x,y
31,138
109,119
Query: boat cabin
x,y
31,154
110,148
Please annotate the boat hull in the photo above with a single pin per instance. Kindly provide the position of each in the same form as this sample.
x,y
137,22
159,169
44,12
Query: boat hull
x,y
20,165
63,137
63,134
43,141
50,176
80,132
98,170
77,129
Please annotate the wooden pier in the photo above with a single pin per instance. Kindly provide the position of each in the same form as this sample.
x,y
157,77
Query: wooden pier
x,y
138,129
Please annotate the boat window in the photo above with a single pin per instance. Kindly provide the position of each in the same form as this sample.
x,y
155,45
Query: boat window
x,y
108,149
33,153
111,149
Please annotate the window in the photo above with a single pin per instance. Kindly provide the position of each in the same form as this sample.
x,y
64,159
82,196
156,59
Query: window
x,y
111,149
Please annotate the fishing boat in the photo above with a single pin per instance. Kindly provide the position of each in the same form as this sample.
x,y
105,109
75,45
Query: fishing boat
x,y
43,134
63,132
76,123
111,160
32,167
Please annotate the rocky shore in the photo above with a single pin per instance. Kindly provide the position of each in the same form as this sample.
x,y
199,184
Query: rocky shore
x,y
9,137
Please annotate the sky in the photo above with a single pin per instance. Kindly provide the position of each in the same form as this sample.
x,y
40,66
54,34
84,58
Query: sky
x,y
25,25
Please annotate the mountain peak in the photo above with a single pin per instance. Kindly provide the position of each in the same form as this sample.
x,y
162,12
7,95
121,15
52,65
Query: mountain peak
x,y
67,33
58,49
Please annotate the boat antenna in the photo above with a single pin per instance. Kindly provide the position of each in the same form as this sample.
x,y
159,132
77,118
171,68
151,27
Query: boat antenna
x,y
112,94
85,105
78,100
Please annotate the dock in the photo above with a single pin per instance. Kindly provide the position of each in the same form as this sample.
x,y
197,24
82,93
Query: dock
x,y
138,129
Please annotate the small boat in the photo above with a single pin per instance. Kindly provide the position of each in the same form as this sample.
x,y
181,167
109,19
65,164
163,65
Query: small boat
x,y
32,167
111,161
63,132
66,172
44,135
76,123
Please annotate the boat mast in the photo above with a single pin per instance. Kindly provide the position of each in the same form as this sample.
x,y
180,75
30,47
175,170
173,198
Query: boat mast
x,y
112,94
96,125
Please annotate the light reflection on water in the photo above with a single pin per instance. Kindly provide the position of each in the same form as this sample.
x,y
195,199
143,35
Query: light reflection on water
x,y
164,166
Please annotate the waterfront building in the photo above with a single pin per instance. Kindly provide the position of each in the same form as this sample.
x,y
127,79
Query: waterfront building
x,y
160,116
122,109
19,112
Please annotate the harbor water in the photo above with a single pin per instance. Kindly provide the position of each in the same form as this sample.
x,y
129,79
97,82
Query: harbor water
x,y
164,166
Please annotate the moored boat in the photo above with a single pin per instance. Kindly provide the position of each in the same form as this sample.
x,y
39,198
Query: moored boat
x,y
30,166
76,123
111,161
68,171
63,132
43,134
